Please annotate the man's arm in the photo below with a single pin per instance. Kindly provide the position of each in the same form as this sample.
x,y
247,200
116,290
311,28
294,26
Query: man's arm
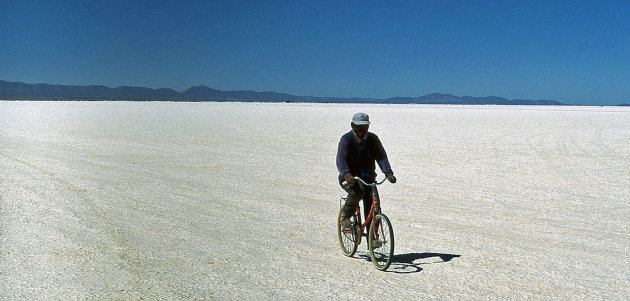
x,y
342,161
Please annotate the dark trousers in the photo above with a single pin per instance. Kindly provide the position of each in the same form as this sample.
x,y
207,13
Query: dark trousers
x,y
357,192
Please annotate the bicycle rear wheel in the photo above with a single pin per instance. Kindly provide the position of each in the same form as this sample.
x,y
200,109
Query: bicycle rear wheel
x,y
381,242
348,238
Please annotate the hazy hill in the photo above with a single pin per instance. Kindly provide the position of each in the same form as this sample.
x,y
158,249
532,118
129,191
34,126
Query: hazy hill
x,y
203,93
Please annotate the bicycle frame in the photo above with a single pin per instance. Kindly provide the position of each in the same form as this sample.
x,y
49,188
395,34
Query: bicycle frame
x,y
376,205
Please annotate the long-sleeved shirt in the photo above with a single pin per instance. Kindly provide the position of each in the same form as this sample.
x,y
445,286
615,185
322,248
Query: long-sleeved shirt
x,y
357,158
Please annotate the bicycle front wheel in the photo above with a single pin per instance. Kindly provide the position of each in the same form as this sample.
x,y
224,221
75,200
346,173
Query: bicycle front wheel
x,y
381,242
348,237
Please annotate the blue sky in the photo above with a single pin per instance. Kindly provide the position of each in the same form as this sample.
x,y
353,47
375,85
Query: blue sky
x,y
570,51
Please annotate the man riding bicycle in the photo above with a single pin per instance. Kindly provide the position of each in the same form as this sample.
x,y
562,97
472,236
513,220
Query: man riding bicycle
x,y
357,152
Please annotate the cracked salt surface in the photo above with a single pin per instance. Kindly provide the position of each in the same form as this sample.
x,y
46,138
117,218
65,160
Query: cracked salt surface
x,y
160,200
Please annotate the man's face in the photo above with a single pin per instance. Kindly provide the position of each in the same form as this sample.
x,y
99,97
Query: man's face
x,y
360,130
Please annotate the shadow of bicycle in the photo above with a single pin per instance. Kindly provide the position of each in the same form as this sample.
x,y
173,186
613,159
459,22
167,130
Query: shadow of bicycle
x,y
411,262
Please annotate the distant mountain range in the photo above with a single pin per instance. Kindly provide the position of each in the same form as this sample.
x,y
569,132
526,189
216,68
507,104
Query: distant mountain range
x,y
19,90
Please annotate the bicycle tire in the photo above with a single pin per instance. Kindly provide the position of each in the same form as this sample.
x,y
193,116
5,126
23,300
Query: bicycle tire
x,y
348,238
381,255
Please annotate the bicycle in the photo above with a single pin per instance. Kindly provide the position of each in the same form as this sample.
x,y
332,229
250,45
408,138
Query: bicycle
x,y
380,236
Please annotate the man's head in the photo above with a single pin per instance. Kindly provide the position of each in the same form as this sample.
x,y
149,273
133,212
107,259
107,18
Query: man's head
x,y
360,124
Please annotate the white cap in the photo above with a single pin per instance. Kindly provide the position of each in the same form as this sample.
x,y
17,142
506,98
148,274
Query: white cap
x,y
361,119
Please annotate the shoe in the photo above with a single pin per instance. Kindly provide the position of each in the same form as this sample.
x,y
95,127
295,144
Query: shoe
x,y
376,244
345,221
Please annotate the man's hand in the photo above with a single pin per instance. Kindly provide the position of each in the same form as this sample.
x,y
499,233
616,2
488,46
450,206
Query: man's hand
x,y
391,179
349,179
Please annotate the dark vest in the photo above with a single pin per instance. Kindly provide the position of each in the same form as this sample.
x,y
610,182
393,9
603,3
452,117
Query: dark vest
x,y
362,156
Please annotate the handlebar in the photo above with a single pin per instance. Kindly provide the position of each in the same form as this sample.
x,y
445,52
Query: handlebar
x,y
366,184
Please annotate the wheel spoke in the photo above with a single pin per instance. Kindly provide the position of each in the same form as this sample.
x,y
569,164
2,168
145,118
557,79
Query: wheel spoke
x,y
381,242
347,238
